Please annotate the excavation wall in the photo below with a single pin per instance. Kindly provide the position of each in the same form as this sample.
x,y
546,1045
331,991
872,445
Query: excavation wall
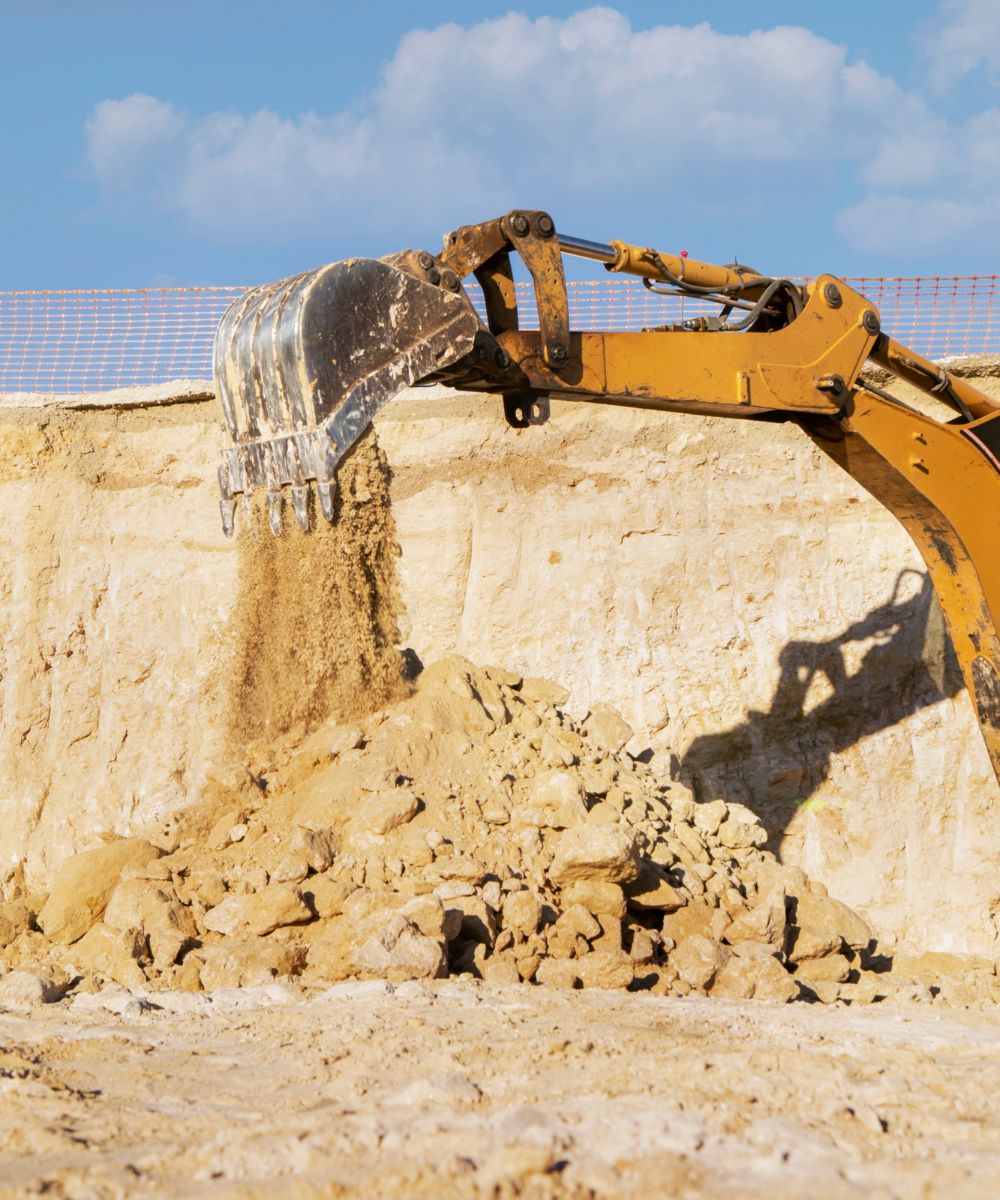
x,y
764,626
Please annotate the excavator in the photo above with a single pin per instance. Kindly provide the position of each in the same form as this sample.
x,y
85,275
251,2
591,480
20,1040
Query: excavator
x,y
303,365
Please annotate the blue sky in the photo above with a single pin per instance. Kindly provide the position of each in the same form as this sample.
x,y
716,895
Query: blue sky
x,y
186,141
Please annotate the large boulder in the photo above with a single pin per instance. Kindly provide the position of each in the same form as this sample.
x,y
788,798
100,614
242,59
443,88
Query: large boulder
x,y
83,887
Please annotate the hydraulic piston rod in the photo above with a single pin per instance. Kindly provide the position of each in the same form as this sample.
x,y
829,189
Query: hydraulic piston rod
x,y
583,248
634,260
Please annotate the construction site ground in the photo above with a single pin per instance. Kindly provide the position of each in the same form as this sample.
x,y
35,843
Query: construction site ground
x,y
385,861
457,1088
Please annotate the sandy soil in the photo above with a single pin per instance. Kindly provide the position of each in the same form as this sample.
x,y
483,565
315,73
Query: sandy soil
x,y
461,1089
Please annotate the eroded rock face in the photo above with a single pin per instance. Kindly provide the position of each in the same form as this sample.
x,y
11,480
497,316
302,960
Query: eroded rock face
x,y
732,593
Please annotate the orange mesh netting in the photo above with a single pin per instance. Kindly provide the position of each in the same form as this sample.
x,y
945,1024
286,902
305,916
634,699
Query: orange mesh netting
x,y
82,341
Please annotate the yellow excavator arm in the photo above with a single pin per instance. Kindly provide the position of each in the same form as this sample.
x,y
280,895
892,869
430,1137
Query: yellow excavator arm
x,y
303,365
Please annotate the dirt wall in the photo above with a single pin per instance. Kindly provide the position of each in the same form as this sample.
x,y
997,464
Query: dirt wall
x,y
761,622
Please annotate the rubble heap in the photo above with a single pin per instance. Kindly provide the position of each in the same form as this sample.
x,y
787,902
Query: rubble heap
x,y
474,828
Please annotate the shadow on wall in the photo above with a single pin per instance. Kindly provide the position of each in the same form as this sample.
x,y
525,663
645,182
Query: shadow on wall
x,y
774,761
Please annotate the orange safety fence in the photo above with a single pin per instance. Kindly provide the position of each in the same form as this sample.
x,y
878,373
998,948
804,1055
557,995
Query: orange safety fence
x,y
84,341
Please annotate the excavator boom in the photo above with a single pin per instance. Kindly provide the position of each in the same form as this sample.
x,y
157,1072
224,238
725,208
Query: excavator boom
x,y
303,365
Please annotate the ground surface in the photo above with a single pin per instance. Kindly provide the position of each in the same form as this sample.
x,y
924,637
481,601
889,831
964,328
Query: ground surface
x,y
447,1089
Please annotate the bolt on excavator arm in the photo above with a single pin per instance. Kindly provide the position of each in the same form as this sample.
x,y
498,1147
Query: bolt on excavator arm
x,y
303,365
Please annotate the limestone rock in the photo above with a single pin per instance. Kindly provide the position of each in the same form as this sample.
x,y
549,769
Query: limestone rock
x,y
759,978
458,867
561,942
326,895
501,969
559,798
544,691
710,815
230,914
602,899
603,813
402,952
247,962
487,862
334,950
741,829
828,991
83,886
578,921
643,948
204,885
385,811
736,980
689,845
222,832
555,752
21,991
594,782
522,912
451,888
606,727
430,917
604,853
605,969
342,738
812,942
834,968
152,906
758,951
557,973
504,676
527,966
260,912
697,960
765,922
817,917
774,982
938,968
290,855
277,905
116,954
693,919
16,916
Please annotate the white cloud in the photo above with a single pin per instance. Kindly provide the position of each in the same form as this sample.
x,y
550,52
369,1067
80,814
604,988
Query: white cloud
x,y
934,192
582,115
508,111
133,143
964,36
917,225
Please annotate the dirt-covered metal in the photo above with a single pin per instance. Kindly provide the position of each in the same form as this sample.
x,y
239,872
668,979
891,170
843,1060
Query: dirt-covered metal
x,y
304,364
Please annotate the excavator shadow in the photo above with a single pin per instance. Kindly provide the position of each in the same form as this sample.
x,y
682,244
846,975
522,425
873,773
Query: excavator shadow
x,y
774,761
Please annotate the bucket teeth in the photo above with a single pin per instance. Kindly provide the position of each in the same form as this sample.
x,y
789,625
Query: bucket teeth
x,y
228,510
300,502
304,364
327,498
275,508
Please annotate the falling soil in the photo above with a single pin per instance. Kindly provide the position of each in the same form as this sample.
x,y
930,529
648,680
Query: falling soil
x,y
316,615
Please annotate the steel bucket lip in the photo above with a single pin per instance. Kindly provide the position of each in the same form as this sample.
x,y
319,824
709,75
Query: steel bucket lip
x,y
302,366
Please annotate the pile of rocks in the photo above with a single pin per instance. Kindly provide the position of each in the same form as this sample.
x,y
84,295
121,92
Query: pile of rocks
x,y
472,828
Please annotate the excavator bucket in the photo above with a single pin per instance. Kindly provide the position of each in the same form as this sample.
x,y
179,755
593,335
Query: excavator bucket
x,y
303,365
